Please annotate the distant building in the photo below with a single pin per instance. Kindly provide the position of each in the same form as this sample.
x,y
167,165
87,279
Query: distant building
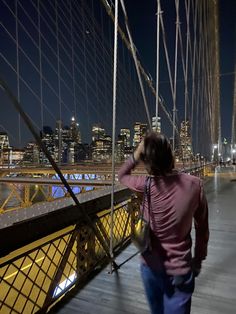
x,y
98,133
31,154
119,151
4,140
47,137
140,130
125,137
185,149
75,134
5,149
82,152
101,144
17,155
123,148
62,142
156,124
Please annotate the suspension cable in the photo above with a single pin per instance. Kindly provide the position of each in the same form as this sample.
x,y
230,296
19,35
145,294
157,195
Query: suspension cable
x,y
157,61
18,68
168,66
59,89
175,71
114,125
194,56
133,50
186,64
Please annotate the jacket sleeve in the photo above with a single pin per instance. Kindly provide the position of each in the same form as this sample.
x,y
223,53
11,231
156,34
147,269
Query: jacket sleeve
x,y
135,183
201,229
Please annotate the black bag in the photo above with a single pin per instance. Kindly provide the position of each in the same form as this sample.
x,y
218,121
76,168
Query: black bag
x,y
141,234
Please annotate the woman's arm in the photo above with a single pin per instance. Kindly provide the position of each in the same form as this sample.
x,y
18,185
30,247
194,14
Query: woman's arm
x,y
201,229
135,183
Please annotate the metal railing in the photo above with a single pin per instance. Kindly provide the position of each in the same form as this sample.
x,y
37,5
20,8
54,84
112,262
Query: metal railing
x,y
46,256
36,275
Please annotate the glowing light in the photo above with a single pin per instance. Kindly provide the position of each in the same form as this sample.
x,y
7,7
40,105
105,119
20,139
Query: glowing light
x,y
64,284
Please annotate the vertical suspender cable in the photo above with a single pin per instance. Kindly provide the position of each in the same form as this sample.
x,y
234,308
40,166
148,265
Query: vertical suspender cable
x,y
193,96
85,61
18,70
208,111
167,57
185,71
175,73
198,73
186,66
182,147
157,62
133,49
168,63
59,90
73,60
114,124
40,65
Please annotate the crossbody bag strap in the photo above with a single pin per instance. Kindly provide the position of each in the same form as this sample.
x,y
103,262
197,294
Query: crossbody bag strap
x,y
146,195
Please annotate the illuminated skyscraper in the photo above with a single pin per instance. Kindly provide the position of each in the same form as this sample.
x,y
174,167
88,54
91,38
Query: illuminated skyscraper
x,y
185,141
74,131
31,154
101,144
47,137
5,149
4,140
156,124
140,130
125,137
98,133
119,154
123,148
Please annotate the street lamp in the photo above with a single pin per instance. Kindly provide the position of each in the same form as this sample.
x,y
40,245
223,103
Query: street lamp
x,y
233,151
214,153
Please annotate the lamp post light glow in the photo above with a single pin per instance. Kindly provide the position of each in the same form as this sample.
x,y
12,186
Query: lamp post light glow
x,y
233,157
215,153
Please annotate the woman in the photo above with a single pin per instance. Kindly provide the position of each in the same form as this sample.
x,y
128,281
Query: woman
x,y
176,199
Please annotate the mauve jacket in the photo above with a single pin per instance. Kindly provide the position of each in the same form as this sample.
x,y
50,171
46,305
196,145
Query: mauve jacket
x,y
176,201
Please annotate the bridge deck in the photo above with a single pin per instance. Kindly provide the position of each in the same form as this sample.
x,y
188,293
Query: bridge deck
x,y
215,288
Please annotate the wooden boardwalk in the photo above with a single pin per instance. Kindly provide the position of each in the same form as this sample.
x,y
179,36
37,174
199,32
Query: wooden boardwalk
x,y
215,292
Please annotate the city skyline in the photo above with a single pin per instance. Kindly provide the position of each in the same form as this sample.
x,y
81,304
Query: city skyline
x,y
66,142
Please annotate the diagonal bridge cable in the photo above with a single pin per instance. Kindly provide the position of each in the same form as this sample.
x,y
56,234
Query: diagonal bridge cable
x,y
133,50
29,124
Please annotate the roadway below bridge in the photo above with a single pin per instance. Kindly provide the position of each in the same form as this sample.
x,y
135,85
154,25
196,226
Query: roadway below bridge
x,y
122,292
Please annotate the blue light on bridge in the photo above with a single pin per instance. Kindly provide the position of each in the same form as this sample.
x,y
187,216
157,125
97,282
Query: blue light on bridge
x,y
58,192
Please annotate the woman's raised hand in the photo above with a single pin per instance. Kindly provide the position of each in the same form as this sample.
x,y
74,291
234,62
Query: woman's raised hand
x,y
139,150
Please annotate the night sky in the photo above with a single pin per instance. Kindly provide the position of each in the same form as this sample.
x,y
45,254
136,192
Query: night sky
x,y
142,21
143,24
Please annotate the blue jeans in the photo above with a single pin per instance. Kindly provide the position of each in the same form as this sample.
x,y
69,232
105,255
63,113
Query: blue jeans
x,y
167,294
